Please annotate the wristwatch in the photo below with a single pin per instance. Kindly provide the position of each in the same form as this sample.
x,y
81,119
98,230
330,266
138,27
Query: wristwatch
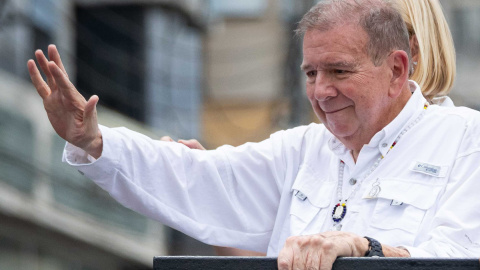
x,y
374,248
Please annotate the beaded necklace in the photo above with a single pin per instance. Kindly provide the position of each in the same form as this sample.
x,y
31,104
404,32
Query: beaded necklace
x,y
340,209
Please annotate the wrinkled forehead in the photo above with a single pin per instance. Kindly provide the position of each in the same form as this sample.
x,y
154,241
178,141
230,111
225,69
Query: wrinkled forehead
x,y
340,46
346,37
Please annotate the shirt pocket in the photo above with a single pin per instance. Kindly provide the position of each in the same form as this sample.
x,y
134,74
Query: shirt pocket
x,y
311,197
400,209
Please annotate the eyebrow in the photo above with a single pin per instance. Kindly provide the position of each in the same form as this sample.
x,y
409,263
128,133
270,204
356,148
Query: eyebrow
x,y
339,64
304,67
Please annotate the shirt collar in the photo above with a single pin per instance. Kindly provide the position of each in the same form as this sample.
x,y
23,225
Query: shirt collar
x,y
443,101
410,112
385,137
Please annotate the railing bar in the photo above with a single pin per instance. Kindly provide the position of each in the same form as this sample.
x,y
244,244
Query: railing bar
x,y
265,263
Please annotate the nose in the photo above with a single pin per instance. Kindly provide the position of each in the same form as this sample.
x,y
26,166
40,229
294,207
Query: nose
x,y
324,88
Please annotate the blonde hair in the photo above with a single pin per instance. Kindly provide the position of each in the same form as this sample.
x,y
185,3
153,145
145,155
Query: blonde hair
x,y
436,68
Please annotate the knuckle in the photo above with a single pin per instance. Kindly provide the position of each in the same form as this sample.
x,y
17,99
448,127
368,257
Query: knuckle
x,y
294,240
317,240
328,245
283,263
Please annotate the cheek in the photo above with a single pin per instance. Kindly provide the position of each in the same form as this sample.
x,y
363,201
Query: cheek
x,y
310,91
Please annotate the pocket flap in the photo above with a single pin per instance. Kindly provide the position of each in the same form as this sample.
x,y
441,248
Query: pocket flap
x,y
313,187
418,194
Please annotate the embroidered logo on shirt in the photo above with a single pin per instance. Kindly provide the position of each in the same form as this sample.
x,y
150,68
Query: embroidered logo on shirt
x,y
427,169
396,203
300,195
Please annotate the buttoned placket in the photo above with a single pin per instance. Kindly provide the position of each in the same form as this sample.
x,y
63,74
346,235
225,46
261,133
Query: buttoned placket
x,y
379,145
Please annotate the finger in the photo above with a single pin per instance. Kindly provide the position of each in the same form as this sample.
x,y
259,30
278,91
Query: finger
x,y
326,262
285,259
299,258
192,144
166,139
37,80
94,147
63,83
43,62
312,260
90,116
329,253
54,56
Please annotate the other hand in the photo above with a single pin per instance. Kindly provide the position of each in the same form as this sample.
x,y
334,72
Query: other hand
x,y
192,143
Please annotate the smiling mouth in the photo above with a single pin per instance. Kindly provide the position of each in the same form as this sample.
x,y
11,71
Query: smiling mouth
x,y
334,111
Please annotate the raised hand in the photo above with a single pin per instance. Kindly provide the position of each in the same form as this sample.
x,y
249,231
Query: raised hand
x,y
72,117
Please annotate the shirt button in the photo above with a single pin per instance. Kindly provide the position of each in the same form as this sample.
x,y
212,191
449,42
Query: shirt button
x,y
384,145
352,181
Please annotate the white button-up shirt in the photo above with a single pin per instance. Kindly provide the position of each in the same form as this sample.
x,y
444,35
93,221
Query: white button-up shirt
x,y
256,195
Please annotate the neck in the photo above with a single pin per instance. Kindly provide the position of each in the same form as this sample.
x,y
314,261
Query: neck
x,y
355,155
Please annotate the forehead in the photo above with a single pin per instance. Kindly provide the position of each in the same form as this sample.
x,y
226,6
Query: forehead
x,y
343,44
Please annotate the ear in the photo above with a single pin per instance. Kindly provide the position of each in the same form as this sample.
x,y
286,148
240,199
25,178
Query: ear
x,y
414,48
399,66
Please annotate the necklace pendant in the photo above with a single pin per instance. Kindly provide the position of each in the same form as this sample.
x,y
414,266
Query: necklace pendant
x,y
337,227
339,212
375,189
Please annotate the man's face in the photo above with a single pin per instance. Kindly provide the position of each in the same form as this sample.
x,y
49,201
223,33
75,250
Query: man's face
x,y
348,93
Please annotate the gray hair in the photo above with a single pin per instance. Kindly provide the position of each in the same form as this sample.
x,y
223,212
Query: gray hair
x,y
380,19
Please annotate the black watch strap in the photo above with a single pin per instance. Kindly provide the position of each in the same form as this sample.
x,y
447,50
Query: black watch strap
x,y
374,248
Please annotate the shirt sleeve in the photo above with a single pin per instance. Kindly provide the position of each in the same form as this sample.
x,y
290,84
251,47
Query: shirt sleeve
x,y
227,196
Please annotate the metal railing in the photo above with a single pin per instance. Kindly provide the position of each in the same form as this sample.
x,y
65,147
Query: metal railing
x,y
263,263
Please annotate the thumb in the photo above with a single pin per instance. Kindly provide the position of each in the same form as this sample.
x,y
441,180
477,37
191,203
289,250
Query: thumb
x,y
90,112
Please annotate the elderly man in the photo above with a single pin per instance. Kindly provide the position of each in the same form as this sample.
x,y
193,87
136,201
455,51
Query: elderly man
x,y
372,180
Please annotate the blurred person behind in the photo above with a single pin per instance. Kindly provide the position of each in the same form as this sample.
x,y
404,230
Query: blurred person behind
x,y
432,48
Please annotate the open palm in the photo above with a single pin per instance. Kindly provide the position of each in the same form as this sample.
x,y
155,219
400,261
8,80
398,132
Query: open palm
x,y
72,117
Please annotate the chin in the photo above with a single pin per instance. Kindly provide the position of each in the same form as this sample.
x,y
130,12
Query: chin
x,y
341,132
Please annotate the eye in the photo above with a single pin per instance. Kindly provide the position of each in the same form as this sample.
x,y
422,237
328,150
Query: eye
x,y
339,71
311,73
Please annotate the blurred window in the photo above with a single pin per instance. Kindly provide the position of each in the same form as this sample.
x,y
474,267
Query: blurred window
x,y
173,76
44,14
110,56
23,29
143,61
16,151
240,9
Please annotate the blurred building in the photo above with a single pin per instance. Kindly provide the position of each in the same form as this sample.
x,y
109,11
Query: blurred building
x,y
134,54
253,80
